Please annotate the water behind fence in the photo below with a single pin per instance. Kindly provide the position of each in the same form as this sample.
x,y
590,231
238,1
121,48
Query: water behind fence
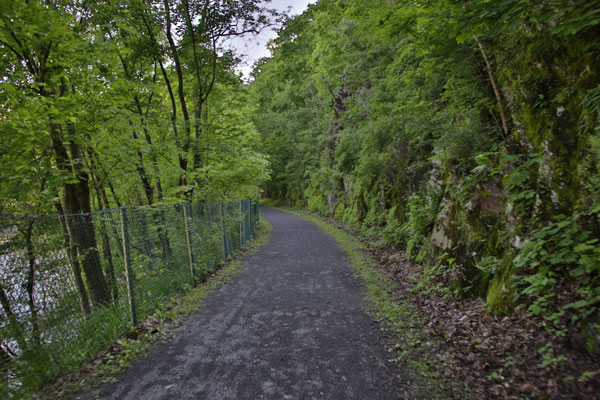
x,y
72,284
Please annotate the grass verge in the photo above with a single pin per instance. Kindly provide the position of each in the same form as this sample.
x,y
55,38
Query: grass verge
x,y
104,367
408,343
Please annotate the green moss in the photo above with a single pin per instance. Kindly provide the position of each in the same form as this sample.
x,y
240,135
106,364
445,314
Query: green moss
x,y
351,215
393,232
499,295
340,210
316,202
592,339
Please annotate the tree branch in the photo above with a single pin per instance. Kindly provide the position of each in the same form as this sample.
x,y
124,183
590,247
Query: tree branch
x,y
494,86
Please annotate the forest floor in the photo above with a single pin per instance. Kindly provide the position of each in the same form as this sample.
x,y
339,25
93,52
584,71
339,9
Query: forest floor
x,y
292,325
496,357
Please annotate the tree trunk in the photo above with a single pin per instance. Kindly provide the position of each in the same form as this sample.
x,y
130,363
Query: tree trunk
x,y
139,230
107,253
14,325
30,282
106,250
158,58
5,361
164,239
161,223
76,205
114,193
198,92
103,199
180,90
83,238
146,184
84,302
490,72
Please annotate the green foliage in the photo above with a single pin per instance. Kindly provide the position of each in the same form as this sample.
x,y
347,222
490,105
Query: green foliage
x,y
388,116
519,174
548,357
489,266
500,297
413,233
103,104
97,83
443,279
563,252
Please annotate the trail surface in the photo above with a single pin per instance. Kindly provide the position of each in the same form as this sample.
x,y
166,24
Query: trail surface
x,y
292,325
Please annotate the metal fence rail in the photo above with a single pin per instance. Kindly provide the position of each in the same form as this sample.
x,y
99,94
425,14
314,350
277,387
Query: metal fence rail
x,y
70,285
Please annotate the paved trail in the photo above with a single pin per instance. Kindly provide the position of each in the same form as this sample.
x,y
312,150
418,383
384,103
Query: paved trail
x,y
291,326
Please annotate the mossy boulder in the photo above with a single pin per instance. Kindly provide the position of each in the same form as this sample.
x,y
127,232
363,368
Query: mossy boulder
x,y
499,298
591,333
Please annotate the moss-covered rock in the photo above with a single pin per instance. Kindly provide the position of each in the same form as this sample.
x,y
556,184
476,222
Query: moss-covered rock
x,y
591,333
499,299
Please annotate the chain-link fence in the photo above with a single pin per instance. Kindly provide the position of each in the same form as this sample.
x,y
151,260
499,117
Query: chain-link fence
x,y
70,285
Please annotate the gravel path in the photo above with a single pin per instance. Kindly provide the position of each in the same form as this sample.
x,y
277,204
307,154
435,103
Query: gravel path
x,y
292,325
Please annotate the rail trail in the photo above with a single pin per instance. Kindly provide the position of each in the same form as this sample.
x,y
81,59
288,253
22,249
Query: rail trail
x,y
291,326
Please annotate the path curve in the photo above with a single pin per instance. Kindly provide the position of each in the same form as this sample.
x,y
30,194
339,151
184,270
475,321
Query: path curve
x,y
292,325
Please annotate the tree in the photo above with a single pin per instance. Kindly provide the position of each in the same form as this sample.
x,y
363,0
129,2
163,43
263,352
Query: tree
x,y
202,26
40,46
456,128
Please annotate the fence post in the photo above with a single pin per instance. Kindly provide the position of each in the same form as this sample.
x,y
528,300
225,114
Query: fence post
x,y
223,230
242,237
225,233
250,218
188,241
256,216
128,271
